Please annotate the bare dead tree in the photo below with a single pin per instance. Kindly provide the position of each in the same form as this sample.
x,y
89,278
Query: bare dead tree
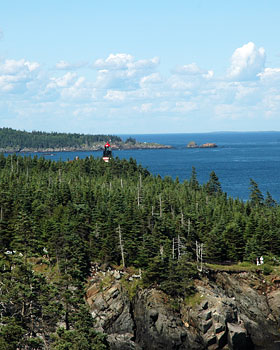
x,y
161,251
121,245
160,206
199,255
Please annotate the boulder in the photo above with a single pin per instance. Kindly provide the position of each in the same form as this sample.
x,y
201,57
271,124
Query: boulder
x,y
192,144
237,337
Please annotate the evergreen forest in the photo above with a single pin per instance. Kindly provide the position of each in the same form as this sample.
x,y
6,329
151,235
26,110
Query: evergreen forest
x,y
10,138
71,214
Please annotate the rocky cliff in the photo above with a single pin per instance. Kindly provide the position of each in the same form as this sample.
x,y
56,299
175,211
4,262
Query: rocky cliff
x,y
229,311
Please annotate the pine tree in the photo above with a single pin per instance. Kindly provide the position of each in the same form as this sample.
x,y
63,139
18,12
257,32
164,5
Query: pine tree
x,y
193,180
213,186
256,197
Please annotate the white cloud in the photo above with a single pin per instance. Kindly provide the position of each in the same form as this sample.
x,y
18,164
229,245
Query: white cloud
x,y
153,78
70,86
114,61
125,61
189,69
193,70
178,83
145,64
16,74
115,96
247,94
84,111
126,88
227,111
146,107
63,65
117,79
13,67
272,105
270,76
123,71
185,107
189,78
208,75
63,81
32,65
77,90
247,62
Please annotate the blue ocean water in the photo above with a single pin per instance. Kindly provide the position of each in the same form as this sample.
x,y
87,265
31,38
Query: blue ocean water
x,y
238,157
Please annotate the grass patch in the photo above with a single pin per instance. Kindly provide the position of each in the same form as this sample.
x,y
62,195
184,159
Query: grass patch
x,y
194,300
277,270
51,272
131,286
267,269
106,282
242,267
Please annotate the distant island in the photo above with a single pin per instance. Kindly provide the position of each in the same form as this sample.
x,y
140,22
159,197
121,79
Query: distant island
x,y
192,144
37,141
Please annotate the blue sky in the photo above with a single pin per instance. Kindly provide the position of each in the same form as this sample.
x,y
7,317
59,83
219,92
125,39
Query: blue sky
x,y
140,66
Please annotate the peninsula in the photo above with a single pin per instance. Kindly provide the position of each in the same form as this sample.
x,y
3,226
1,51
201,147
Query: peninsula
x,y
37,141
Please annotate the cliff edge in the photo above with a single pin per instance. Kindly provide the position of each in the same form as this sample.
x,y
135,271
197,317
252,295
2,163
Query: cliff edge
x,y
229,311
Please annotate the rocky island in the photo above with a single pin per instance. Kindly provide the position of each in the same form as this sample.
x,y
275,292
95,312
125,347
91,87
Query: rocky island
x,y
193,144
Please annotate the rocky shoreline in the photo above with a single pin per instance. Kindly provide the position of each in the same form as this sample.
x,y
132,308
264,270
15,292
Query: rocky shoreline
x,y
193,144
96,147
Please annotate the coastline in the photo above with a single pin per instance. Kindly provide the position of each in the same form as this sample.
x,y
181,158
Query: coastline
x,y
96,147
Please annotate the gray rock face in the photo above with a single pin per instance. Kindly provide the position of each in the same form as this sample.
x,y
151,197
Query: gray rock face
x,y
158,326
245,314
110,309
236,311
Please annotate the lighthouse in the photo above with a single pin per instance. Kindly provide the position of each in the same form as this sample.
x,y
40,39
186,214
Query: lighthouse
x,y
107,152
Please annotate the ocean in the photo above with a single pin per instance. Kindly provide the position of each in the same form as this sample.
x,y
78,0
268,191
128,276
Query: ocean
x,y
239,157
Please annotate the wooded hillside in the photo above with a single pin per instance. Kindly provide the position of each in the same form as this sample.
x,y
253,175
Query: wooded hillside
x,y
58,217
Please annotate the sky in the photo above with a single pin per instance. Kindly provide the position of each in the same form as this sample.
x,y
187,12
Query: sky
x,y
131,66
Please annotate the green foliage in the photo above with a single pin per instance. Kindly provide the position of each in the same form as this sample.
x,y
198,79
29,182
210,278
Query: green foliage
x,y
267,269
245,266
73,210
131,140
132,286
29,306
11,333
256,196
193,180
194,299
81,336
79,339
10,138
213,186
179,281
173,277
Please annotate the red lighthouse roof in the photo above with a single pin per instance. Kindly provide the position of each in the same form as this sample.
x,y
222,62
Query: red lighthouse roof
x,y
107,144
